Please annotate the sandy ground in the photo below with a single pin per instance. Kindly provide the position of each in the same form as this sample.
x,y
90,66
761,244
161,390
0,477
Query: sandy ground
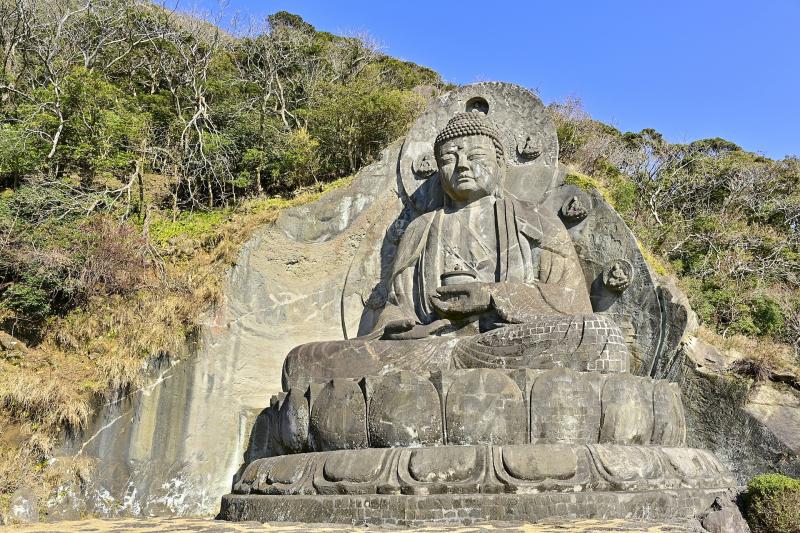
x,y
148,525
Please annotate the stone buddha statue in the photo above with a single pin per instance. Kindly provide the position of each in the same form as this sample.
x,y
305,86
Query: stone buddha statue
x,y
486,280
494,383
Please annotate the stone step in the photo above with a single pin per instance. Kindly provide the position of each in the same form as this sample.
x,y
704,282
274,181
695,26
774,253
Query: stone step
x,y
530,481
613,511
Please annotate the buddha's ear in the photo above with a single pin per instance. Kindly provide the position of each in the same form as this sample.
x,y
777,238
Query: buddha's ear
x,y
501,179
502,163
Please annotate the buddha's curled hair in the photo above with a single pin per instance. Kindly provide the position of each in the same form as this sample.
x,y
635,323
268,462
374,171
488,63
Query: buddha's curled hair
x,y
471,123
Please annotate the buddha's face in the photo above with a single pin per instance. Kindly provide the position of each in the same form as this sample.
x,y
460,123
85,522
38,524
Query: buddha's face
x,y
468,168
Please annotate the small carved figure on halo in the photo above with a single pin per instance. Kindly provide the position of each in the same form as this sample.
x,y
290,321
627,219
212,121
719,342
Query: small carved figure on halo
x,y
529,149
617,279
574,209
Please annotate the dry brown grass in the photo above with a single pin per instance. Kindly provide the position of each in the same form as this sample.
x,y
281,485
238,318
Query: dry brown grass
x,y
760,359
104,347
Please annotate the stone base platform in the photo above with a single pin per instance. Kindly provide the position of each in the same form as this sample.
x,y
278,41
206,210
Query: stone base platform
x,y
477,483
405,510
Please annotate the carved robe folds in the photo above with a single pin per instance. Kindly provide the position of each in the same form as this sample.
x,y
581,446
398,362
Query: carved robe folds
x,y
540,314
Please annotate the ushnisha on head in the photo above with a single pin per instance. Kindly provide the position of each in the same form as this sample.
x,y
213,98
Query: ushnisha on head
x,y
470,157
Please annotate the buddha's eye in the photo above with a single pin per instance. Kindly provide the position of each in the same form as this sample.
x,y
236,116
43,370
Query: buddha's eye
x,y
448,158
477,156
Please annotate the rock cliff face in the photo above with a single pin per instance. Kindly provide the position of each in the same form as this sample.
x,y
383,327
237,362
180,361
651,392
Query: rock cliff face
x,y
176,445
752,428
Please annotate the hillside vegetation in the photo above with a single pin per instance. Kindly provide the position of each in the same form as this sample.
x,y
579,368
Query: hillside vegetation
x,y
139,147
723,220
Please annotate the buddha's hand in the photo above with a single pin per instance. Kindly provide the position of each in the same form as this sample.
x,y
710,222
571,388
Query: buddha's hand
x,y
462,300
408,328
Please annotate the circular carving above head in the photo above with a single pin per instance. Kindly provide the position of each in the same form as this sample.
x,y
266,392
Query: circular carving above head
x,y
618,275
477,104
519,116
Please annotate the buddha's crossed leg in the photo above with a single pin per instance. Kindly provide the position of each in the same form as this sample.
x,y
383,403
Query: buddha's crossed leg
x,y
584,343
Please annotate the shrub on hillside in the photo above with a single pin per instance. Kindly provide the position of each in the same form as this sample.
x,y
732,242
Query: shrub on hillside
x,y
773,504
49,265
722,218
117,258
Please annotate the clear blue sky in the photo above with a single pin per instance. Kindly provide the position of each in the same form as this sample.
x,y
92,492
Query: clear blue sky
x,y
690,69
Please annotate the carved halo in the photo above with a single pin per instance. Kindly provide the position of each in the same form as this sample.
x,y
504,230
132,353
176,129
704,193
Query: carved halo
x,y
518,114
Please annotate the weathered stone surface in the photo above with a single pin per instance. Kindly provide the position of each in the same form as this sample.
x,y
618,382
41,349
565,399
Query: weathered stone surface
x,y
536,463
707,359
669,424
65,503
356,468
278,475
724,515
294,421
695,466
484,406
285,472
404,410
727,520
564,408
466,508
587,343
485,470
716,406
779,410
630,468
457,464
339,417
627,405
